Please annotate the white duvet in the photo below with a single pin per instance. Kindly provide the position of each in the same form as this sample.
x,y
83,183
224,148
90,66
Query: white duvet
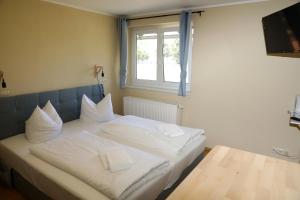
x,y
78,154
149,133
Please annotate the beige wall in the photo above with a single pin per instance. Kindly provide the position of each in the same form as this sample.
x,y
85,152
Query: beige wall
x,y
44,46
239,95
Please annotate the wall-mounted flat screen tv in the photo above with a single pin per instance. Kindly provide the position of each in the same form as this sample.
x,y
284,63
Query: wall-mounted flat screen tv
x,y
282,32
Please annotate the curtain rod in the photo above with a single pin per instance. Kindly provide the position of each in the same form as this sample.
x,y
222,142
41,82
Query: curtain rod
x,y
156,16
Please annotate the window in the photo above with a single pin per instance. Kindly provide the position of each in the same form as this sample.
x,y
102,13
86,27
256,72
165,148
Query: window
x,y
146,56
155,59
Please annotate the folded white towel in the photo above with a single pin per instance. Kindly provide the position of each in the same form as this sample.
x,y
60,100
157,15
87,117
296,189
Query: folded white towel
x,y
170,130
115,159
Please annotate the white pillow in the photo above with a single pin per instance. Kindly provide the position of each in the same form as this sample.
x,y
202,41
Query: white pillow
x,y
101,112
43,125
50,110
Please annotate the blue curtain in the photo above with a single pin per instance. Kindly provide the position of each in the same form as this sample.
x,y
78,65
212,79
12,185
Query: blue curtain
x,y
122,30
184,37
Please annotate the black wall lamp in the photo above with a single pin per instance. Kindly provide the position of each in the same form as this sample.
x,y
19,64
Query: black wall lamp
x,y
98,69
2,79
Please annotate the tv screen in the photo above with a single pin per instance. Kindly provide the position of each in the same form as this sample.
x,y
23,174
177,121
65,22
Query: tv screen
x,y
282,32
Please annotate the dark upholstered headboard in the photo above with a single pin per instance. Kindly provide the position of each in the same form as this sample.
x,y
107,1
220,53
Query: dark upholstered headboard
x,y
15,110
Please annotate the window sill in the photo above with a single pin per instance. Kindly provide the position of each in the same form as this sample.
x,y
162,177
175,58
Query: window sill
x,y
157,89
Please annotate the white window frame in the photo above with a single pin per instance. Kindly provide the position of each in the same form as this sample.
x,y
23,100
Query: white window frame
x,y
159,84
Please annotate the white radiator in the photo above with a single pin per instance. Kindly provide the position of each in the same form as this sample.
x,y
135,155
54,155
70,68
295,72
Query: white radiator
x,y
152,110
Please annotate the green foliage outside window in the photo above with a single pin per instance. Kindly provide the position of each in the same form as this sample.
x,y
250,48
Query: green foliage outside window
x,y
172,50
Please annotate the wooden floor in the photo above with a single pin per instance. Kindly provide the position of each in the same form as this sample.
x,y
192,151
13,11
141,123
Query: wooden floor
x,y
8,193
206,151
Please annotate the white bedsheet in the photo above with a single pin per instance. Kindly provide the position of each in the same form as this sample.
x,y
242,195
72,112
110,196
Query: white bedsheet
x,y
61,185
78,155
147,132
56,183
178,161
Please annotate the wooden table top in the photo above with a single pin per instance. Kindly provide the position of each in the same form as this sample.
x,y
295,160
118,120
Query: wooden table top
x,y
232,174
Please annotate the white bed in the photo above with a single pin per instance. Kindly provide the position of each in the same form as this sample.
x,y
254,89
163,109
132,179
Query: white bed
x,y
60,185
178,162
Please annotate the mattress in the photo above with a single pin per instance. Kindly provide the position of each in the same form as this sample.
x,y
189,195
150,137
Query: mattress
x,y
178,162
14,151
57,184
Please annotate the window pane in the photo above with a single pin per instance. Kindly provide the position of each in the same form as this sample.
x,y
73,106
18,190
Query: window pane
x,y
146,56
171,57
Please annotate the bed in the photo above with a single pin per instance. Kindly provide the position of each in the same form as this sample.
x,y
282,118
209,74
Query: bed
x,y
45,181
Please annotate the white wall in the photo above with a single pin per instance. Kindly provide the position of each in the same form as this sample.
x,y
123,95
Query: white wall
x,y
239,94
44,46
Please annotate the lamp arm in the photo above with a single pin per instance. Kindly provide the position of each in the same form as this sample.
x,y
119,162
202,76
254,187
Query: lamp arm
x,y
1,75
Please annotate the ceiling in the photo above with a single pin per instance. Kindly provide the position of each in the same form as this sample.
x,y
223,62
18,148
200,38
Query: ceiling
x,y
143,7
